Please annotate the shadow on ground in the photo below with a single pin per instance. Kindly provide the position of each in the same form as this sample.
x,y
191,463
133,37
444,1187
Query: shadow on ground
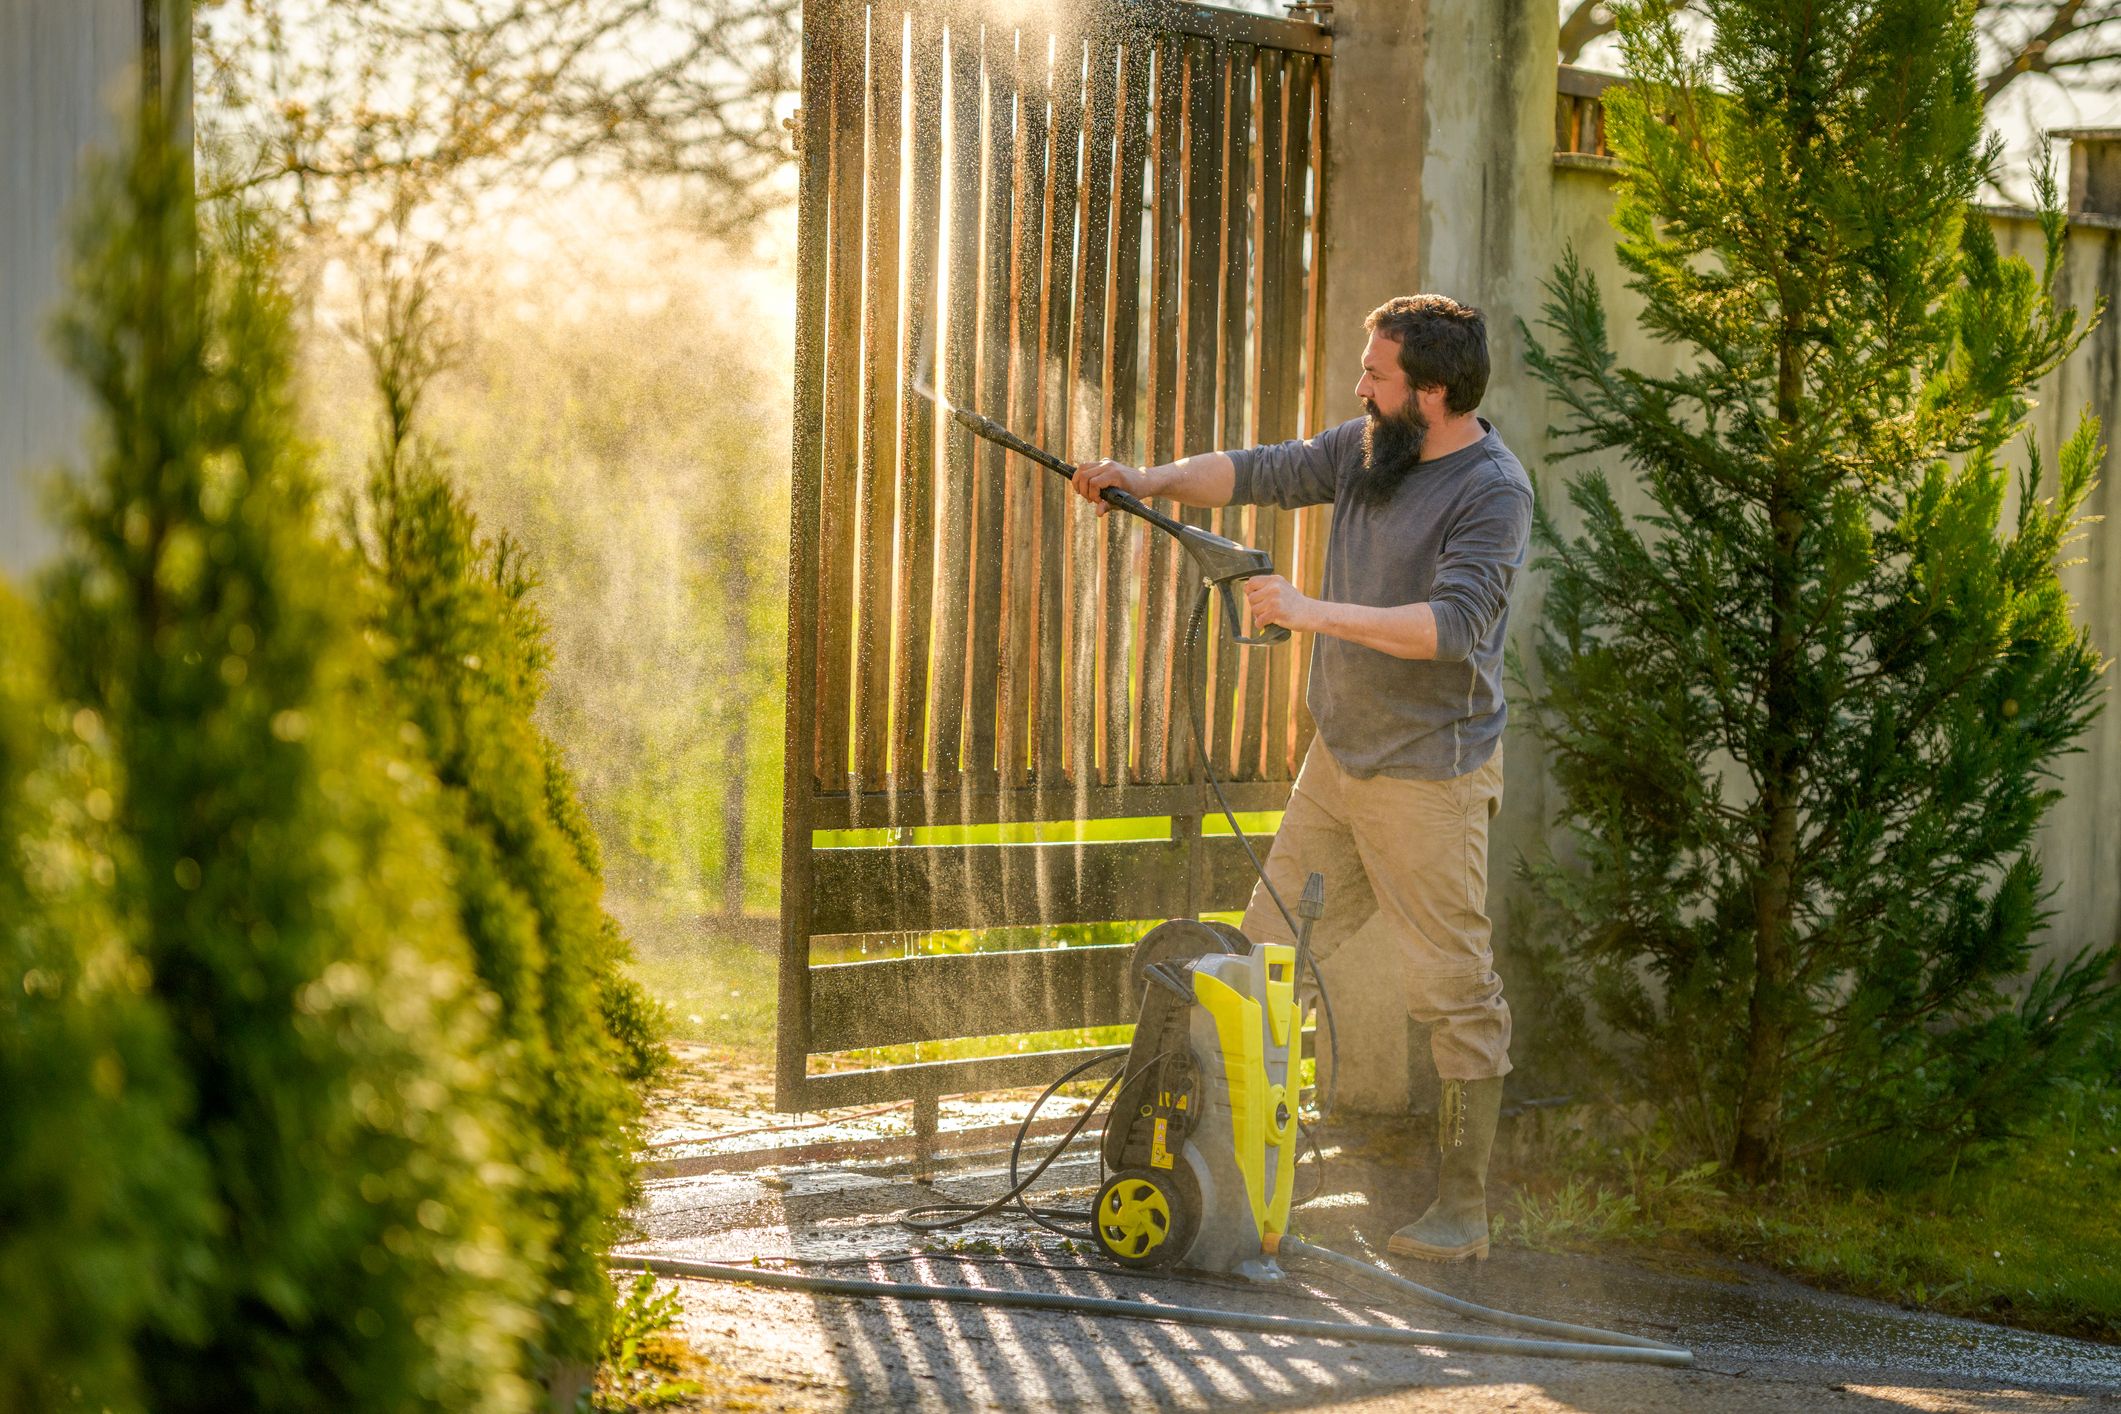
x,y
1761,1341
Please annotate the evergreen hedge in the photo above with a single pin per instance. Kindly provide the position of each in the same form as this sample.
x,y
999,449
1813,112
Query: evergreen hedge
x,y
103,1211
273,863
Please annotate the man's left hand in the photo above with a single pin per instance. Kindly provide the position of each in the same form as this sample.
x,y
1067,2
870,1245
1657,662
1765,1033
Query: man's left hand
x,y
1271,599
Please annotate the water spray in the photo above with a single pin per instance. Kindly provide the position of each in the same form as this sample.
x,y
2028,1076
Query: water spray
x,y
1221,562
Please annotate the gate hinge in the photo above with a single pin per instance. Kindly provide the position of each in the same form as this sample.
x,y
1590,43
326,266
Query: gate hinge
x,y
794,124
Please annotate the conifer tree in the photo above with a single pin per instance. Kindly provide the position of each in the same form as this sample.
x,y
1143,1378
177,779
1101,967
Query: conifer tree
x,y
1804,715
103,1212
274,865
466,651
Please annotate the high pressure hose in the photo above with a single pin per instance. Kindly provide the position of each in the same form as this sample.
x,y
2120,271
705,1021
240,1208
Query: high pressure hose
x,y
1207,766
1612,1345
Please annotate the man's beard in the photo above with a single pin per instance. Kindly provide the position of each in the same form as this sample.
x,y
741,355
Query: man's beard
x,y
1391,448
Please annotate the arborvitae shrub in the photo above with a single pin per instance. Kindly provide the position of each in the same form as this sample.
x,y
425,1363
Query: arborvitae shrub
x,y
466,651
288,897
103,1212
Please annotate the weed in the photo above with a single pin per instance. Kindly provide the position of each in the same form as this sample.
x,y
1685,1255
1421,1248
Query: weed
x,y
642,1360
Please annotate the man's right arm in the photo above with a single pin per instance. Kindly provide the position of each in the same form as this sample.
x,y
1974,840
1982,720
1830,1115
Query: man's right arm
x,y
1203,479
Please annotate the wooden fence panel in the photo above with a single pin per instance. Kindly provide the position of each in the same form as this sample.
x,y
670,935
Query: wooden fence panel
x,y
1107,227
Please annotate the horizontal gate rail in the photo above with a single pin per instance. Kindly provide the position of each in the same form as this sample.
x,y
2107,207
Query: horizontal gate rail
x,y
917,888
900,1000
990,805
929,1079
1106,217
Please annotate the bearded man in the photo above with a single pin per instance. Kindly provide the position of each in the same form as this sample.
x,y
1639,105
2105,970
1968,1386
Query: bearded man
x,y
1431,519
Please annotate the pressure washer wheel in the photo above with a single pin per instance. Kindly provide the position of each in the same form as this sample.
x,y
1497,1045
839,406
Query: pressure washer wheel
x,y
1142,1219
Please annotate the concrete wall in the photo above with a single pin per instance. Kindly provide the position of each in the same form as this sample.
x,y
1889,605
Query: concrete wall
x,y
68,68
1450,107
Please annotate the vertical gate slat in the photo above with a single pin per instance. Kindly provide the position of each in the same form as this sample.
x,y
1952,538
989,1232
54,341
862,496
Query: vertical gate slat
x,y
1057,518
916,487
880,369
1235,664
1087,420
1121,425
1203,252
799,767
958,351
1021,586
1306,142
990,475
1153,754
1273,373
843,384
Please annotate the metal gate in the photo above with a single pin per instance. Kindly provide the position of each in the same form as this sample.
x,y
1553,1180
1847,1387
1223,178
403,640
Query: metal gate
x,y
1112,216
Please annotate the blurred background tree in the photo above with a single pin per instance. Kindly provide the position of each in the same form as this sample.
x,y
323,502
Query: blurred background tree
x,y
627,428
608,179
328,102
273,862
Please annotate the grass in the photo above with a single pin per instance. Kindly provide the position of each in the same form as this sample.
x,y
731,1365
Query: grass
x,y
2031,1238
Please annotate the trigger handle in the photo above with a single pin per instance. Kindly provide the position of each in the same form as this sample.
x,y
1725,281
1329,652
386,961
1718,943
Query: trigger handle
x,y
1272,633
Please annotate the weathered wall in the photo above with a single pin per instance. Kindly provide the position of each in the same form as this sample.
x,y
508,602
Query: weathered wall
x,y
66,71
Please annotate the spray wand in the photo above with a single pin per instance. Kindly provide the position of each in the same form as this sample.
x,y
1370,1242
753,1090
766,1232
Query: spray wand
x,y
1221,562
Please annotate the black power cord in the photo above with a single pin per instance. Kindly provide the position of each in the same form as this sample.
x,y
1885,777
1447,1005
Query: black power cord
x,y
921,1219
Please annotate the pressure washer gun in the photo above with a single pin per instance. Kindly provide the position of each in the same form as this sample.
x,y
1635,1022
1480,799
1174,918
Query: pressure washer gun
x,y
1221,562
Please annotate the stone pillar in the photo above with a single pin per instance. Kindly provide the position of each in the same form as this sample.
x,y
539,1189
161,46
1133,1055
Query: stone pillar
x,y
1438,177
68,72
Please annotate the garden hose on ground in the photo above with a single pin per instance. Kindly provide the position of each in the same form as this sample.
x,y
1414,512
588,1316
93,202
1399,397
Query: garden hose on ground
x,y
1611,1346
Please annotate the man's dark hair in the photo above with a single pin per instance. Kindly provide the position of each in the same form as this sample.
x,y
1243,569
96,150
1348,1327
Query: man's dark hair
x,y
1442,344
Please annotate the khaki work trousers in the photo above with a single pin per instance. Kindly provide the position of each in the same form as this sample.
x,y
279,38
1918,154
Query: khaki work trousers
x,y
1416,851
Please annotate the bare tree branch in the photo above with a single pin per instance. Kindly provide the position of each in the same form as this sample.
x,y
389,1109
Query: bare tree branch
x,y
340,102
2030,55
1589,20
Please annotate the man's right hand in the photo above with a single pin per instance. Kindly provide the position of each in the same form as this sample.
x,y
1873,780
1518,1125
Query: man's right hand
x,y
1091,478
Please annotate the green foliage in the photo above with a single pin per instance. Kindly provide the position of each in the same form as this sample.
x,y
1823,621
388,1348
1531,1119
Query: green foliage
x,y
103,1212
466,651
272,864
640,1364
1804,713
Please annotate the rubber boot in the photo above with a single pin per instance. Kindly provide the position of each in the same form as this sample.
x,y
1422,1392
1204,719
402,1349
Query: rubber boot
x,y
1456,1225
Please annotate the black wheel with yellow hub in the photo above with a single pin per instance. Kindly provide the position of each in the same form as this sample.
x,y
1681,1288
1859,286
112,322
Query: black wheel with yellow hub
x,y
1142,1219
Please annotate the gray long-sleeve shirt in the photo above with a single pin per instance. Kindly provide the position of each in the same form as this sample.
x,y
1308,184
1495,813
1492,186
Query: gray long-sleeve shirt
x,y
1454,535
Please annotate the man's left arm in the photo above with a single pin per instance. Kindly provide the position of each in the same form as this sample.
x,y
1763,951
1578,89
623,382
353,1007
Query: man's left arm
x,y
1469,592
